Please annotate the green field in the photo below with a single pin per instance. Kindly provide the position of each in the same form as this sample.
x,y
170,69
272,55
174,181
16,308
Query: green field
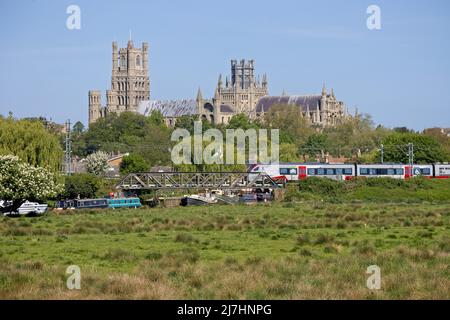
x,y
292,250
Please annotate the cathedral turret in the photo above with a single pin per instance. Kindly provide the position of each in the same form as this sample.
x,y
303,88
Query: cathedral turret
x,y
219,81
199,95
115,56
145,55
264,81
111,99
95,105
324,91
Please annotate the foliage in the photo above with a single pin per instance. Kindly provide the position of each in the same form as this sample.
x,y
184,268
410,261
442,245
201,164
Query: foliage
x,y
426,148
20,181
289,152
317,143
31,142
370,189
78,127
133,163
187,122
97,163
128,132
242,121
294,128
81,185
442,138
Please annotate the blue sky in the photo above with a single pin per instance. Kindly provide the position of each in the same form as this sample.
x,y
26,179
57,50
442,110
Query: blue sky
x,y
399,74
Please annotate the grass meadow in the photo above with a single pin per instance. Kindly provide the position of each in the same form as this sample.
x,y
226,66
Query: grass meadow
x,y
291,250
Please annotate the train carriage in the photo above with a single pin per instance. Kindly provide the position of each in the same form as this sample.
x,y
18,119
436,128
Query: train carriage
x,y
287,172
442,171
299,171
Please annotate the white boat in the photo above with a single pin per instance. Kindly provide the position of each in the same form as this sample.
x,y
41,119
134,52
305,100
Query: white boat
x,y
195,200
32,207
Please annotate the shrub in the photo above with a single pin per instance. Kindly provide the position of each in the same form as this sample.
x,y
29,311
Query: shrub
x,y
185,238
322,186
83,185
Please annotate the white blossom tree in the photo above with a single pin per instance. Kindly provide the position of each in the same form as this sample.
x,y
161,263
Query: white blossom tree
x,y
20,181
97,163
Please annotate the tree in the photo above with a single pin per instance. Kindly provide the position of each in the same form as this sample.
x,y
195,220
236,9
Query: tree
x,y
78,128
133,163
293,126
20,181
441,137
241,121
316,144
289,152
31,142
156,118
97,163
81,185
186,122
426,148
127,132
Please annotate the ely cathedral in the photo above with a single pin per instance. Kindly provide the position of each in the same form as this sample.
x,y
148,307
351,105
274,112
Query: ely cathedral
x,y
240,92
130,83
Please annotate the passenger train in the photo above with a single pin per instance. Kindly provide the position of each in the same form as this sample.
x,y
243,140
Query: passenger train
x,y
298,171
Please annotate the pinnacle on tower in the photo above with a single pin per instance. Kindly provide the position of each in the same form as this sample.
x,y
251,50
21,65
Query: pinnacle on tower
x,y
264,80
219,82
199,94
332,92
324,90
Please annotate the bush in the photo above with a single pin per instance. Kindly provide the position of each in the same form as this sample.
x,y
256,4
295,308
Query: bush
x,y
83,185
185,238
133,163
322,186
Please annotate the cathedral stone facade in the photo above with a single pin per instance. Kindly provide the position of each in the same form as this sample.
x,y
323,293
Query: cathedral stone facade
x,y
241,92
130,82
321,109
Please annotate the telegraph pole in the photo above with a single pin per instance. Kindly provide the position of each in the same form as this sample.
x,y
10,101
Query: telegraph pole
x,y
411,157
68,152
382,153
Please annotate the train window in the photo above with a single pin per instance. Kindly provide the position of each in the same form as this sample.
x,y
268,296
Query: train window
x,y
391,171
422,171
320,171
364,171
290,171
399,172
311,172
348,171
330,172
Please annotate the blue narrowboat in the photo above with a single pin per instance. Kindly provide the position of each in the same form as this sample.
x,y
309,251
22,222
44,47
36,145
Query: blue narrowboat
x,y
90,203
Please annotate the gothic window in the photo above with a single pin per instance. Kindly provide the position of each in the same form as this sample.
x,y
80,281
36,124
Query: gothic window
x,y
123,62
138,60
